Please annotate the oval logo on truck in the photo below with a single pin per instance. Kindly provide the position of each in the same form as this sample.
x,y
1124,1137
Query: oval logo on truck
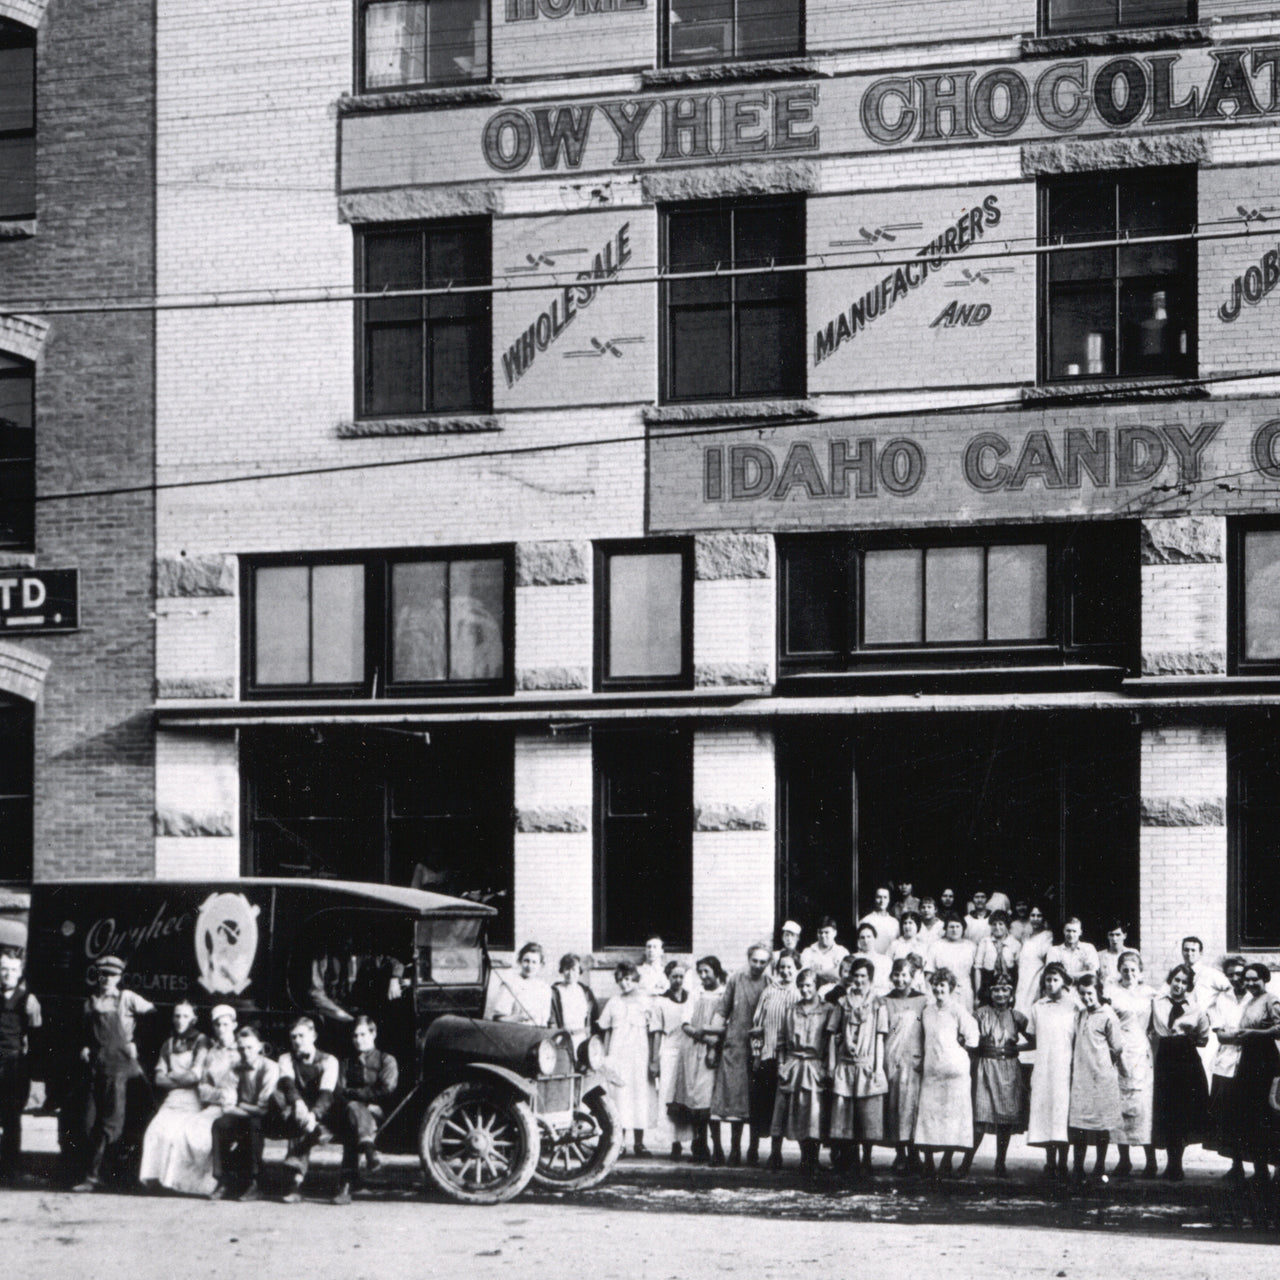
x,y
226,942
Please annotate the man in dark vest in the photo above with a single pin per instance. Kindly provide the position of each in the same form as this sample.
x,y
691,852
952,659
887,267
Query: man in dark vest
x,y
303,1099
19,1017
370,1080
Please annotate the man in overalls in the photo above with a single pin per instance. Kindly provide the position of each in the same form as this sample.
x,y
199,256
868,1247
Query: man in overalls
x,y
110,1018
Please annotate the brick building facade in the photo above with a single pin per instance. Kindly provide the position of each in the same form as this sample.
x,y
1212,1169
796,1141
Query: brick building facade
x,y
77,657
676,466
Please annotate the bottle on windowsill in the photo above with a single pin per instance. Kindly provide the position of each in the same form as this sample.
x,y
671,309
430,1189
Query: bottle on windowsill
x,y
1155,328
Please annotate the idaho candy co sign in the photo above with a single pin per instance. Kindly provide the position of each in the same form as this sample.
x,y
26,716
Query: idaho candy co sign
x,y
1052,463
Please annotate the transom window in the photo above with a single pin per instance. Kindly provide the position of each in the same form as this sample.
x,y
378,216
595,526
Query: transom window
x,y
428,354
17,121
1104,15
380,625
715,30
413,43
872,600
17,452
734,336
1129,310
644,605
1255,603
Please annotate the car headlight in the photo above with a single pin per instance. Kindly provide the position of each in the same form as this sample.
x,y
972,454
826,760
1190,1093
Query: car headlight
x,y
546,1057
591,1054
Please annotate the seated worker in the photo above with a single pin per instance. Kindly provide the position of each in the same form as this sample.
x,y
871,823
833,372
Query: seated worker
x,y
237,1132
369,1082
302,1100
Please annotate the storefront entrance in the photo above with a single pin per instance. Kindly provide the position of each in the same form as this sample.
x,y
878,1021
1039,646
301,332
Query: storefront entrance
x,y
1037,805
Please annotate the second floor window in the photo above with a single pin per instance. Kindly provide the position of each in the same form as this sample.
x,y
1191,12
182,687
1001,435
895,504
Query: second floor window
x,y
644,603
17,121
1105,15
1255,606
716,30
416,43
380,625
1123,310
17,452
734,336
428,354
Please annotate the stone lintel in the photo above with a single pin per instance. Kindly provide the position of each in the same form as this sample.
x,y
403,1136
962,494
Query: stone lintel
x,y
721,675
176,822
1188,540
713,181
731,817
535,679
718,556
567,820
184,577
1171,811
185,687
1085,155
552,564
1172,662
411,203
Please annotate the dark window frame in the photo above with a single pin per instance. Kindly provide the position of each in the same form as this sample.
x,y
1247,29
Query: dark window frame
x,y
1238,531
640,546
361,68
666,42
736,305
1050,28
16,35
17,790
378,625
20,465
1244,739
626,747
429,402
1180,366
1062,644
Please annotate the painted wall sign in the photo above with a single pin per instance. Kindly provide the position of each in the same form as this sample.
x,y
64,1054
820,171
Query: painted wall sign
x,y
1048,463
529,10
851,114
1253,286
44,600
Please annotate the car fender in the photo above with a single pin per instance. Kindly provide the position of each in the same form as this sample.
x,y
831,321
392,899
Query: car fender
x,y
522,1085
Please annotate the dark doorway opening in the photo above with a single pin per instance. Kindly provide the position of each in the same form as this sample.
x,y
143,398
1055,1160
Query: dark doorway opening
x,y
1037,805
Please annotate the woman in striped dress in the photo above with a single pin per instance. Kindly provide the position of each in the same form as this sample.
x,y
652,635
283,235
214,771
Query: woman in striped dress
x,y
778,997
799,1113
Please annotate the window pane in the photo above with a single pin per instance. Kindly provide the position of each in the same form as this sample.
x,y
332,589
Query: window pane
x,y
700,359
476,619
645,624
395,44
701,30
17,177
1081,15
282,625
953,594
1017,585
15,410
892,587
1081,332
393,373
393,262
767,27
418,643
1154,328
458,40
816,600
17,88
770,351
699,242
458,366
1262,595
337,623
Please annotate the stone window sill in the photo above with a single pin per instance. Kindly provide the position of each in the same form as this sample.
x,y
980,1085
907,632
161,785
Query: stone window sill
x,y
658,415
797,68
18,229
459,95
1086,42
1113,389
423,425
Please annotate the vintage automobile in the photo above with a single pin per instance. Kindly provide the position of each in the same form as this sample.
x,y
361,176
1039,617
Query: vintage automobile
x,y
489,1106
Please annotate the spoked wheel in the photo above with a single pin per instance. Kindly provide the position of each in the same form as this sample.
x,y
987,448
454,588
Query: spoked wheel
x,y
478,1144
582,1154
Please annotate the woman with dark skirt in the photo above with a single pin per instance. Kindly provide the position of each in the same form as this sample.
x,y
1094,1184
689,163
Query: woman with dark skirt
x,y
1180,1100
1251,1124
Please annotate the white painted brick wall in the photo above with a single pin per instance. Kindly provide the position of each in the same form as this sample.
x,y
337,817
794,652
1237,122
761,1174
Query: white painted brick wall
x,y
208,859
196,638
734,621
198,773
1184,608
554,627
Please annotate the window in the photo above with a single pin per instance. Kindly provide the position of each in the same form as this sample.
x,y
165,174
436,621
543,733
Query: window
x,y
17,121
734,336
1028,596
17,757
431,810
411,43
644,608
1255,597
17,452
1104,15
644,831
1127,311
380,625
715,30
425,354
1253,756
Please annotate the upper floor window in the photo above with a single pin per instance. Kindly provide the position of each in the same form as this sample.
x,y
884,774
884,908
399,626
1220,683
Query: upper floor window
x,y
1025,596
644,608
1255,603
17,121
1105,15
1119,310
716,30
733,336
408,44
430,353
17,452
380,625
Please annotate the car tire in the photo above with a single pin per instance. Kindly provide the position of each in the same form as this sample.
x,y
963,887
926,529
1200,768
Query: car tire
x,y
583,1157
478,1143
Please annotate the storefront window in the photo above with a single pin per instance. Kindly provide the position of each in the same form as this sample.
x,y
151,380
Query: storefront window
x,y
717,30
1103,15
644,607
644,832
412,43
